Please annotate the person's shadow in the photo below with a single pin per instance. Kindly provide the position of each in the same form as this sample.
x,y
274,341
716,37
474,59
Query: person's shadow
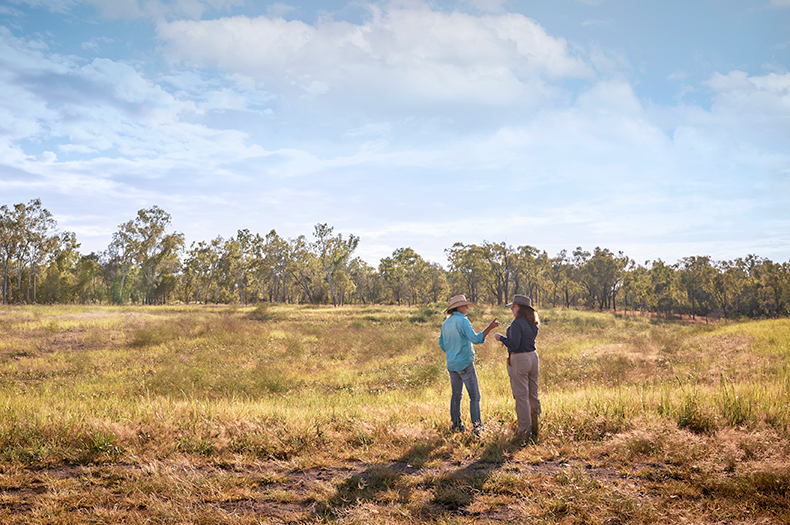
x,y
392,482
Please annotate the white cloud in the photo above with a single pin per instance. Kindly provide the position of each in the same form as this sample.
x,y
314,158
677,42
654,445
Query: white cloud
x,y
23,56
616,97
95,44
223,99
399,56
127,84
752,108
677,75
487,6
315,88
413,97
55,6
279,10
9,11
607,61
105,106
373,129
158,9
596,22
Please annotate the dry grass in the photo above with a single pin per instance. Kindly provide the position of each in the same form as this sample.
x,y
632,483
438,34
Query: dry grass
x,y
285,414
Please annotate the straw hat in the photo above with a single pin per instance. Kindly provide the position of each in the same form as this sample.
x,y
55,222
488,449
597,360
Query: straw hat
x,y
522,300
458,300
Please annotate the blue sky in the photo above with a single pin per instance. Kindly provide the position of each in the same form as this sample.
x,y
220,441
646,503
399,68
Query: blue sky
x,y
661,129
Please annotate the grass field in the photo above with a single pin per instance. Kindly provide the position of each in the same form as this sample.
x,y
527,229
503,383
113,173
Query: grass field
x,y
295,414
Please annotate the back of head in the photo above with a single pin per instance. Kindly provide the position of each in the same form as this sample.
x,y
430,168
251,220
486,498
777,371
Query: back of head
x,y
529,314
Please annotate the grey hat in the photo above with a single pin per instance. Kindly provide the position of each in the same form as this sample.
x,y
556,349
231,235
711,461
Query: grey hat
x,y
521,300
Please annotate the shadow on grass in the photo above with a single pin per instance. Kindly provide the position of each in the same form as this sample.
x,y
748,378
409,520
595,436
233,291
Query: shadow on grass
x,y
404,482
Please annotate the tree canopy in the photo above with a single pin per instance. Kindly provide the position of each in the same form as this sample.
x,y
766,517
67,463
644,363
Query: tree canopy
x,y
147,263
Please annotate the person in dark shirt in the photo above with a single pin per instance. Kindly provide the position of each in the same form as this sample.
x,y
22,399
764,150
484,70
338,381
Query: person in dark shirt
x,y
523,364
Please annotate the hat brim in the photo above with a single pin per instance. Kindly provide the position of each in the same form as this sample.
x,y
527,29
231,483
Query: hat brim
x,y
524,305
464,303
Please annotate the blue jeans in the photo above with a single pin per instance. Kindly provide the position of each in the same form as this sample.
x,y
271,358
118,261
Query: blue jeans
x,y
468,377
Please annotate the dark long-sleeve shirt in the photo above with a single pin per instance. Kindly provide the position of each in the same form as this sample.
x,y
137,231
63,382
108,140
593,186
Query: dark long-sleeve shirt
x,y
520,336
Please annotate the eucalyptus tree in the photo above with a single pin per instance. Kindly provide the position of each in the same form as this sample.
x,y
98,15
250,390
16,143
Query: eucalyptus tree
x,y
193,273
557,274
26,238
530,268
695,277
228,267
724,285
157,251
8,245
636,288
332,253
501,260
60,285
43,240
22,221
238,260
274,264
35,227
202,262
143,243
776,285
87,272
579,260
468,269
122,250
603,275
753,301
303,267
405,273
368,283
662,280
437,282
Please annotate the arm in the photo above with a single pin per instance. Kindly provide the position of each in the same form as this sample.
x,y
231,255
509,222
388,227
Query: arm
x,y
480,338
514,340
493,324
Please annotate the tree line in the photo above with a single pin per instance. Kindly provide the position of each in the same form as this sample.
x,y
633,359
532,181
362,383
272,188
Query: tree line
x,y
146,263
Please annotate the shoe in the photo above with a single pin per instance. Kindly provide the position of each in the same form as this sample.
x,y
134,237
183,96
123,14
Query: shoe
x,y
522,439
459,428
478,429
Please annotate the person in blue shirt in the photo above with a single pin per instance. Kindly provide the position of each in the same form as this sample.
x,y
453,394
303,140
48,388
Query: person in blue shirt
x,y
456,340
523,364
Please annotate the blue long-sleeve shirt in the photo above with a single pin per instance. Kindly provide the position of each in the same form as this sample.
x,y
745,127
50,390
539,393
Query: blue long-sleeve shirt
x,y
456,339
520,336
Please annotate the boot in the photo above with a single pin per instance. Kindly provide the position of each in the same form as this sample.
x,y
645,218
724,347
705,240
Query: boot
x,y
535,426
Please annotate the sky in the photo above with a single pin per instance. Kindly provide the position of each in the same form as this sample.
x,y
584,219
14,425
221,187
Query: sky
x,y
657,128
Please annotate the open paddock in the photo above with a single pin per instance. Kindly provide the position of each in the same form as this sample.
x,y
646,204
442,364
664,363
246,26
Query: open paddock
x,y
301,414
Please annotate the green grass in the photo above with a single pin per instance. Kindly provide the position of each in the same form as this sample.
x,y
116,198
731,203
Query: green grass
x,y
312,414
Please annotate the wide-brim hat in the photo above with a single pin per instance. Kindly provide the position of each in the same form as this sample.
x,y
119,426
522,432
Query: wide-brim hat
x,y
521,300
458,300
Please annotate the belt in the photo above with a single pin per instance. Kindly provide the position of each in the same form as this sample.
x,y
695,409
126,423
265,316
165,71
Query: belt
x,y
520,352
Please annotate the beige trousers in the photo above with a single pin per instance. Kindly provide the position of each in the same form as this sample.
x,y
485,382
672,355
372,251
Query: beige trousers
x,y
523,372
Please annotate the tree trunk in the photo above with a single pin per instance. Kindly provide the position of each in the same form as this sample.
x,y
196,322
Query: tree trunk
x,y
5,281
120,293
19,271
331,288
